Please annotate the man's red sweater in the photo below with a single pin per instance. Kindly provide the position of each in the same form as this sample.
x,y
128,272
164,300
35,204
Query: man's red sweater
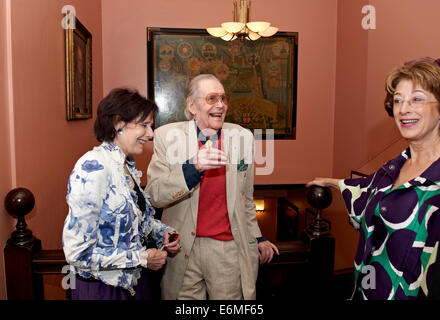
x,y
212,217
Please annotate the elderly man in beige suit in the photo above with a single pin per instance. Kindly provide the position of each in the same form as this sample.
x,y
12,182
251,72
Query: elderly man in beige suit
x,y
202,174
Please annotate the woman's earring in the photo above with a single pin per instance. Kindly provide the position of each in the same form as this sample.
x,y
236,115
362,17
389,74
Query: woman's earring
x,y
120,131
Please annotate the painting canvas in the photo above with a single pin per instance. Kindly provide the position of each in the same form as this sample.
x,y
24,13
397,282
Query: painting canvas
x,y
260,76
78,72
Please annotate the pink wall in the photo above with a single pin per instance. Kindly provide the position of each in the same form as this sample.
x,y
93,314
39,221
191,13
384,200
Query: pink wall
x,y
402,41
352,51
124,55
6,221
47,146
351,67
405,30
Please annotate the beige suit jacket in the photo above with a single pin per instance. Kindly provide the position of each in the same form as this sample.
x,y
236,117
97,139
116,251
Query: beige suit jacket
x,y
173,145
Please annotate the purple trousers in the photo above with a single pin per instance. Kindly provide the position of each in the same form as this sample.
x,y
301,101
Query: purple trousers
x,y
146,289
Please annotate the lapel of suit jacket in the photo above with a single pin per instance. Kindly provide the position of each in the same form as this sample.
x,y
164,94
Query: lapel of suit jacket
x,y
231,172
193,147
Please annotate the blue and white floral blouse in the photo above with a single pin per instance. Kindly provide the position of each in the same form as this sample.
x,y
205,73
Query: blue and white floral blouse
x,y
104,230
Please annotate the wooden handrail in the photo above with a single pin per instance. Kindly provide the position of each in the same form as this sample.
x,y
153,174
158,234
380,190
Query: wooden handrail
x,y
48,262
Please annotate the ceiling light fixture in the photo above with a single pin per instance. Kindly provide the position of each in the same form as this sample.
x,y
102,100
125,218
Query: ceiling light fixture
x,y
241,27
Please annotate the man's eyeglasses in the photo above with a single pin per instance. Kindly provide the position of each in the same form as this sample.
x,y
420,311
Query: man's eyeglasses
x,y
213,98
414,101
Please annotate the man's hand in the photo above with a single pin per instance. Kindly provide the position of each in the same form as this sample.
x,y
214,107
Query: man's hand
x,y
266,250
209,158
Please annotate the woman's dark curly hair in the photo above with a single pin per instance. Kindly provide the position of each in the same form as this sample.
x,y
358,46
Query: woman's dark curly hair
x,y
424,72
121,104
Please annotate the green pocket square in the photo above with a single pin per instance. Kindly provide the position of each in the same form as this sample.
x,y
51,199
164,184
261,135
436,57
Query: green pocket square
x,y
242,166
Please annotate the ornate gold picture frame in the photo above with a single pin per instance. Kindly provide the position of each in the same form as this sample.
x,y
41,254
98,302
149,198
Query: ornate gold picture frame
x,y
78,56
260,76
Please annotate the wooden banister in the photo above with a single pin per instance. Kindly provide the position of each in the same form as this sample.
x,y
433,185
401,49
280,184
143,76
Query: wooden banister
x,y
25,261
304,267
48,262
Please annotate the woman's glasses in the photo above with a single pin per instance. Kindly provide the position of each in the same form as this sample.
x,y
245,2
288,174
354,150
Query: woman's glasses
x,y
414,101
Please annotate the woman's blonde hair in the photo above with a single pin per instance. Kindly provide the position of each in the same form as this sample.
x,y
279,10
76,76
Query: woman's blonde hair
x,y
192,91
424,72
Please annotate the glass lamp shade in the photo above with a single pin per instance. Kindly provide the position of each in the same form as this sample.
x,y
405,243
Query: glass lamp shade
x,y
217,32
233,27
268,32
253,35
258,26
229,37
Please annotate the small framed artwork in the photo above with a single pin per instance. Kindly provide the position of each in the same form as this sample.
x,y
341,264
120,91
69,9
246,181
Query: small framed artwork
x,y
78,56
260,77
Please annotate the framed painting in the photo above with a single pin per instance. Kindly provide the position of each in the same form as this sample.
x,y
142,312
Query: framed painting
x,y
260,77
78,55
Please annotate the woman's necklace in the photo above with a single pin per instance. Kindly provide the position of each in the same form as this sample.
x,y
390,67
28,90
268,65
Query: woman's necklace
x,y
128,176
134,186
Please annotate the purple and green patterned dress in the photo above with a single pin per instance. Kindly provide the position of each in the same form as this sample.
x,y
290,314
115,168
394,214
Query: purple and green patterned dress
x,y
399,231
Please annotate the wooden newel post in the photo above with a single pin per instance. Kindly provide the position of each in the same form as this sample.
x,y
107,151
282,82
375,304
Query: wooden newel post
x,y
321,244
20,248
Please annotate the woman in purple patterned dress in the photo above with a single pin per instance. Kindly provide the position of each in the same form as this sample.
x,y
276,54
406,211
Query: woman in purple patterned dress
x,y
397,208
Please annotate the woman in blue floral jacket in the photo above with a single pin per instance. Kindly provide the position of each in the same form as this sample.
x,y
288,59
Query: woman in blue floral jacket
x,y
110,216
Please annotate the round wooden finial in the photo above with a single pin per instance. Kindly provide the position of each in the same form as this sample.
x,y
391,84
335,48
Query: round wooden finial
x,y
319,197
19,202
